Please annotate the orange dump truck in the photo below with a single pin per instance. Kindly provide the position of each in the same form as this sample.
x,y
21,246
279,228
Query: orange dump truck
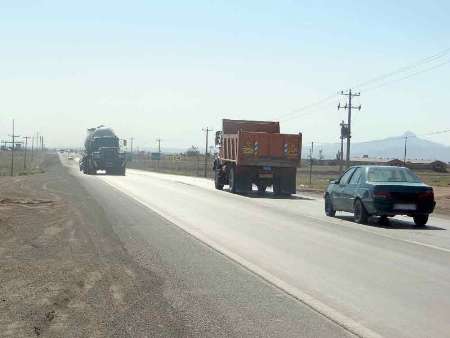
x,y
254,152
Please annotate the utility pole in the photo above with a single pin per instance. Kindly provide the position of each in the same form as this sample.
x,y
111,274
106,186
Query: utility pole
x,y
159,150
131,145
159,145
404,157
206,130
349,108
25,155
13,141
32,149
311,161
344,133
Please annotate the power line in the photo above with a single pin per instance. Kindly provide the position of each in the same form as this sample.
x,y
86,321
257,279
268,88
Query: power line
x,y
416,64
408,76
294,113
430,59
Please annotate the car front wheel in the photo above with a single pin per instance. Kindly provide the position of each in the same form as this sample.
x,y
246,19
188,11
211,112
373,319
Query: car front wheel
x,y
329,208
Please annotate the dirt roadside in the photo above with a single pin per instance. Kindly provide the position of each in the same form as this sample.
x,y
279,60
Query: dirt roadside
x,y
442,196
63,273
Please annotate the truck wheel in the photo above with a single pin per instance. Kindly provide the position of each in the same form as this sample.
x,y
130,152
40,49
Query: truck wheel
x,y
261,188
276,187
232,180
217,183
91,171
420,220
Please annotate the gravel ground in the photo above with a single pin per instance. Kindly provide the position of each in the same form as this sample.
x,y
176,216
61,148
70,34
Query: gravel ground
x,y
63,271
442,195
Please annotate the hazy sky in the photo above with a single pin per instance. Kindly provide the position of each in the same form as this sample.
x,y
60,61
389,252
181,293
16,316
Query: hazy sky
x,y
166,69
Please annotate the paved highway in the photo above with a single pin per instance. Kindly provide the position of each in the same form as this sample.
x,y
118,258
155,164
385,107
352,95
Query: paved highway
x,y
388,281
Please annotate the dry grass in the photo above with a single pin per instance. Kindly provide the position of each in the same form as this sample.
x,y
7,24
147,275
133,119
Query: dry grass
x,y
32,167
187,166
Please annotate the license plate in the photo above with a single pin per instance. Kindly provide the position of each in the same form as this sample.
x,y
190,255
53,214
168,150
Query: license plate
x,y
267,175
267,168
402,206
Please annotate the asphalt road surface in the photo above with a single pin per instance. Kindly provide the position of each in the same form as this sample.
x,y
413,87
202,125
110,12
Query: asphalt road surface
x,y
391,281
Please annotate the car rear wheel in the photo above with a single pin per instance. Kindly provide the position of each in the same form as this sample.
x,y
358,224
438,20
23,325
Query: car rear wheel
x,y
360,214
384,220
420,220
329,208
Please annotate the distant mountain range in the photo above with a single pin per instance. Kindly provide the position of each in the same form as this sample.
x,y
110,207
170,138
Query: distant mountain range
x,y
389,148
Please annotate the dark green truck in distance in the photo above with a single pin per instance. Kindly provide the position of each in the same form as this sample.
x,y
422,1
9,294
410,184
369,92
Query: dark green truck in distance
x,y
102,151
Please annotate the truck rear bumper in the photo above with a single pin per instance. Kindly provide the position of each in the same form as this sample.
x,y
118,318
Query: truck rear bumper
x,y
283,179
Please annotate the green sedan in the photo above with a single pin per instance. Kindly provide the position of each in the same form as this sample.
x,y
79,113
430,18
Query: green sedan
x,y
383,191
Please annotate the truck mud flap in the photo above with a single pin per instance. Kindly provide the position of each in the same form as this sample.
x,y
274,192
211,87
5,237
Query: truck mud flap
x,y
284,181
243,184
243,181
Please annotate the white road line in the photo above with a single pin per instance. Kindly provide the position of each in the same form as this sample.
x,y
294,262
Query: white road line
x,y
431,246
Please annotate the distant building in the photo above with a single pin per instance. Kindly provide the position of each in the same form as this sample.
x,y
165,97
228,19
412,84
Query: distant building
x,y
395,162
435,165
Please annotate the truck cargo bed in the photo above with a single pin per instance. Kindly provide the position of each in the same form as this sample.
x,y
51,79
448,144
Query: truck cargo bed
x,y
262,148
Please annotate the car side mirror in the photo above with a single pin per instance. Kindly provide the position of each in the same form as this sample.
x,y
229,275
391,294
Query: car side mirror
x,y
333,181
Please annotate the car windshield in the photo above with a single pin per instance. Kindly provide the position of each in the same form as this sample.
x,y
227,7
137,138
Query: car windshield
x,y
386,174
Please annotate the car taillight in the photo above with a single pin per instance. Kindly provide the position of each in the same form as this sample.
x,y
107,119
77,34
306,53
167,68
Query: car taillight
x,y
382,194
427,195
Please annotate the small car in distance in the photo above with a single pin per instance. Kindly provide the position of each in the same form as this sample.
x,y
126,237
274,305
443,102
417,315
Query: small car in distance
x,y
383,191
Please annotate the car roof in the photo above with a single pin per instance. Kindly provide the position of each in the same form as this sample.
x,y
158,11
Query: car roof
x,y
376,166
